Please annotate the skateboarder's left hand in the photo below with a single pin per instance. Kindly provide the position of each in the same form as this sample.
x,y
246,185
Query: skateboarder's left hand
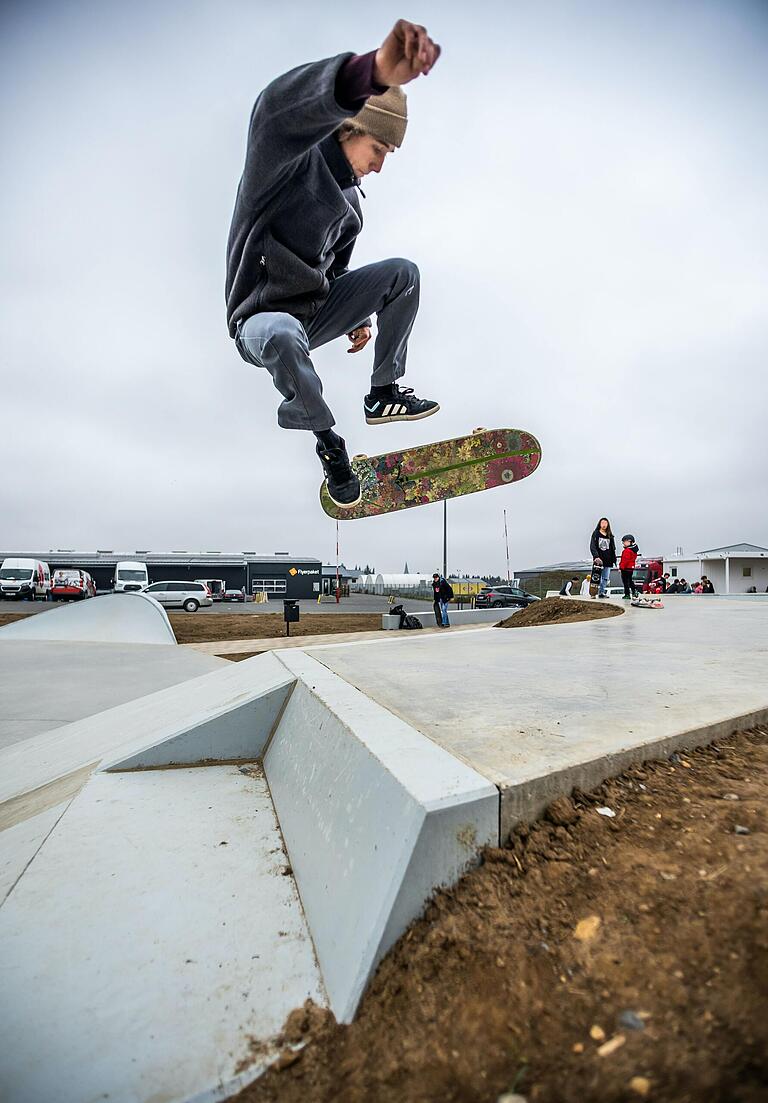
x,y
359,338
406,53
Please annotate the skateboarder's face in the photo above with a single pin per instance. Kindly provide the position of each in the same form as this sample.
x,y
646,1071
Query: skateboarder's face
x,y
365,153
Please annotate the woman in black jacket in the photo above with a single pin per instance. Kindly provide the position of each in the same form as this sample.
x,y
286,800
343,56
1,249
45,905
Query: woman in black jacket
x,y
602,546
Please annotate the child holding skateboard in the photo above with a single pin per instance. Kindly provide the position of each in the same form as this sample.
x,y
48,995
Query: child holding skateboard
x,y
627,565
314,133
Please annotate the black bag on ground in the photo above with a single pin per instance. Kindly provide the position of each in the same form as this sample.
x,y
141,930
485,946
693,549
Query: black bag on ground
x,y
406,620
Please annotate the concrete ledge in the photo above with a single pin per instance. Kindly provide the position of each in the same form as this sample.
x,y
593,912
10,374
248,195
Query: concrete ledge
x,y
227,714
375,817
456,617
112,618
528,796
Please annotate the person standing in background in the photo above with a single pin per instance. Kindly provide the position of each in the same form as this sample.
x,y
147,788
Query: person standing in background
x,y
602,546
442,591
567,587
627,565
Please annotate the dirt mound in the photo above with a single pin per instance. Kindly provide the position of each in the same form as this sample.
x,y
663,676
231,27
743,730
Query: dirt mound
x,y
558,610
592,958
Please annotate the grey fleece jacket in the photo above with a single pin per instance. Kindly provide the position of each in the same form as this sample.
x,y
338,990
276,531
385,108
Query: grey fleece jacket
x,y
297,213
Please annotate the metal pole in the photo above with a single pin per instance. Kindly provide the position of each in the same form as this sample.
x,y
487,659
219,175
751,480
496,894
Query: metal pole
x,y
338,595
506,541
445,537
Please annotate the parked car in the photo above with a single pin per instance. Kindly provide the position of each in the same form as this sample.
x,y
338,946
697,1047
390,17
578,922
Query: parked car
x,y
233,595
497,596
25,579
180,595
72,584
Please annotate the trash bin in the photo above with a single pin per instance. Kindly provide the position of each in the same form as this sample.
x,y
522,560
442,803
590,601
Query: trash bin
x,y
290,613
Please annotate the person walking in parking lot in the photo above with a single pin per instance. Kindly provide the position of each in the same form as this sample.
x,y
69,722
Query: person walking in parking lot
x,y
443,593
602,546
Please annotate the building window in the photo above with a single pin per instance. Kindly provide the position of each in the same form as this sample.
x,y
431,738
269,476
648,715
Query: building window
x,y
673,571
269,585
746,572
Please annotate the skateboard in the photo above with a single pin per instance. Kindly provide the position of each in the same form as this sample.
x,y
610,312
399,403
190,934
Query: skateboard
x,y
594,578
432,472
647,601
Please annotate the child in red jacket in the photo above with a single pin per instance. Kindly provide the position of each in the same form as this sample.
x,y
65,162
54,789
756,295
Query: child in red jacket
x,y
627,565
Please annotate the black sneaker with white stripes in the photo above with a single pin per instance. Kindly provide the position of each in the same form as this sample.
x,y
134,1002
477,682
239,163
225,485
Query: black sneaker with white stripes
x,y
343,484
396,404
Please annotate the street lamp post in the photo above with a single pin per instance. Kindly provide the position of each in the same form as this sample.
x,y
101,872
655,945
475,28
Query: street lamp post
x,y
445,537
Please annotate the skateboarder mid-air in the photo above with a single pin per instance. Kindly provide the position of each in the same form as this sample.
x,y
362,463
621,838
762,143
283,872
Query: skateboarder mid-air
x,y
314,132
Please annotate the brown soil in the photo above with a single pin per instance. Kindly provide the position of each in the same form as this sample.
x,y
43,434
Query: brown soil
x,y
212,627
193,628
557,610
9,618
590,959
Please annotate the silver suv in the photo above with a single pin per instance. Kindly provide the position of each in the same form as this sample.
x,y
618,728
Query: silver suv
x,y
180,595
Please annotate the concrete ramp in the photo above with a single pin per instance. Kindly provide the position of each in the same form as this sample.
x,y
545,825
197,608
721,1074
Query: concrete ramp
x,y
112,618
166,907
375,818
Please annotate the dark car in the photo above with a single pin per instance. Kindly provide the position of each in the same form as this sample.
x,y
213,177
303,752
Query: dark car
x,y
498,596
234,595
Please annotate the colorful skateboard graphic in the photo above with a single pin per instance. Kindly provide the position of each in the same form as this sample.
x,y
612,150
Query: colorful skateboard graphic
x,y
595,576
432,472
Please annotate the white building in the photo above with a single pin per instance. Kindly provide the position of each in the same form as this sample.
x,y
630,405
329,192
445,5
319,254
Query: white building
x,y
413,581
735,569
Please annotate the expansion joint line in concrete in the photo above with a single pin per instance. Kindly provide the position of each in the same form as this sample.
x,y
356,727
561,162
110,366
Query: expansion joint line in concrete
x,y
37,850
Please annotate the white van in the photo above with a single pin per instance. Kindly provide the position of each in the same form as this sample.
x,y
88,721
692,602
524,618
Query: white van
x,y
25,579
130,576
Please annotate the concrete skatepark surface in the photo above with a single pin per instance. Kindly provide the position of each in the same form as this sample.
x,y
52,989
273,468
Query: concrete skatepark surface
x,y
47,684
388,766
538,711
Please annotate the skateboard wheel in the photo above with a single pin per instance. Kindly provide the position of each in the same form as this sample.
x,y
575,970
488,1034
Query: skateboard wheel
x,y
507,476
480,429
362,456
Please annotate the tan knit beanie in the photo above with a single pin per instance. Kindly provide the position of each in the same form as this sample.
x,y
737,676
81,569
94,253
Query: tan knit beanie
x,y
386,116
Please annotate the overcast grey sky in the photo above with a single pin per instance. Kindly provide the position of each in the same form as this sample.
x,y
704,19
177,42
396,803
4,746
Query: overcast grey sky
x,y
583,186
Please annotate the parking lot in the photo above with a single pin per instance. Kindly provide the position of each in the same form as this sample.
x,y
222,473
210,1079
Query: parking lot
x,y
355,603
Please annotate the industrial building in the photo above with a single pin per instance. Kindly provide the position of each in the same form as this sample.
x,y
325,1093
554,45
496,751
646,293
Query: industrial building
x,y
278,575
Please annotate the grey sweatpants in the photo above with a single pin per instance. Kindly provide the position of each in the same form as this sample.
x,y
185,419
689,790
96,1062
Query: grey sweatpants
x,y
281,344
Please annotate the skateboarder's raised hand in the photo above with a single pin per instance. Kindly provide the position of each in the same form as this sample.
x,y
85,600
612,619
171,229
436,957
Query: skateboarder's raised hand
x,y
359,338
406,53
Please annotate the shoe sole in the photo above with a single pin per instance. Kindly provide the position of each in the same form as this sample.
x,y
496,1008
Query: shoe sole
x,y
400,417
345,505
